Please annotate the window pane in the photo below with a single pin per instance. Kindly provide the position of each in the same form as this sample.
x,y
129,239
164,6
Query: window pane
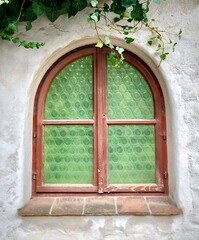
x,y
70,94
68,154
129,96
131,153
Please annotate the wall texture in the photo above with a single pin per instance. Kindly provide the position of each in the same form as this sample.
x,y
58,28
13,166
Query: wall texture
x,y
21,71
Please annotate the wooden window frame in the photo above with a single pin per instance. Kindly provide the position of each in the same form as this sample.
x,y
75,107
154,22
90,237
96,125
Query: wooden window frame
x,y
100,125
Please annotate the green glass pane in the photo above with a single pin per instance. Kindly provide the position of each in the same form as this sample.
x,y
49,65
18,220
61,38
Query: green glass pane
x,y
70,94
68,154
129,95
131,154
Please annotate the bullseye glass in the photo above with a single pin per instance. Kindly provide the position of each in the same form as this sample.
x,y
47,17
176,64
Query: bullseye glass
x,y
129,96
70,94
131,154
68,152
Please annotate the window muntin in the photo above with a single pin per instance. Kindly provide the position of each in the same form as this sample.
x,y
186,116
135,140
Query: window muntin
x,y
97,170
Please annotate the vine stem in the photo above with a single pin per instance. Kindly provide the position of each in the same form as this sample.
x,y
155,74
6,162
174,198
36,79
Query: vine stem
x,y
21,9
98,36
111,22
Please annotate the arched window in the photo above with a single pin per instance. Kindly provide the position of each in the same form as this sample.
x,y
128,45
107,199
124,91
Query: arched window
x,y
99,128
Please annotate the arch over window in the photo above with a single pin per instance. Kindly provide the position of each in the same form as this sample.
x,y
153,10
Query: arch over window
x,y
98,128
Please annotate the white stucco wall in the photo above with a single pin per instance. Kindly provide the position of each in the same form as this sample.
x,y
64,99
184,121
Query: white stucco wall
x,y
21,71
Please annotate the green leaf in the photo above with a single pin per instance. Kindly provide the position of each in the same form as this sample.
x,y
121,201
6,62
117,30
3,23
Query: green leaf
x,y
95,16
79,4
14,8
116,19
30,44
65,8
154,37
28,26
15,40
128,3
116,61
52,14
112,55
150,42
163,56
38,8
12,27
4,1
145,17
66,5
3,16
29,14
99,44
159,47
111,46
107,40
126,14
106,7
180,34
24,44
71,7
120,50
6,36
94,3
174,45
137,14
126,27
129,39
117,7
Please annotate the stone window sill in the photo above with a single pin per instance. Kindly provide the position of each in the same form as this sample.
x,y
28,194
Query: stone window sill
x,y
82,206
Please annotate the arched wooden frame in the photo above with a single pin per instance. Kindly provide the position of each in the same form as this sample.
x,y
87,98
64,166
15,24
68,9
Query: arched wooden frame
x,y
100,128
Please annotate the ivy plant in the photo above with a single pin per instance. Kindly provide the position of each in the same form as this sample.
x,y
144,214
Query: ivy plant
x,y
127,17
130,16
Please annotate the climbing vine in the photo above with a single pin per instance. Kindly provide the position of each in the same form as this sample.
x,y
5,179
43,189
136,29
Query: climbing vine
x,y
127,17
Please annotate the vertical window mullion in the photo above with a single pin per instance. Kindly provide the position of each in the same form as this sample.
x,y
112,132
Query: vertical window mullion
x,y
95,118
102,125
105,117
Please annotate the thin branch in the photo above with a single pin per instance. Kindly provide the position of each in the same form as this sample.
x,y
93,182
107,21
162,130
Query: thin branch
x,y
21,9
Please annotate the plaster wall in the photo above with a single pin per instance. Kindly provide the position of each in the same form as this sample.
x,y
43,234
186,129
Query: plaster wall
x,y
21,71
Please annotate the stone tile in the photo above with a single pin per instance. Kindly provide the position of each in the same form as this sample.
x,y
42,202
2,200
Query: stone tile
x,y
37,206
100,206
68,206
162,206
132,205
137,205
